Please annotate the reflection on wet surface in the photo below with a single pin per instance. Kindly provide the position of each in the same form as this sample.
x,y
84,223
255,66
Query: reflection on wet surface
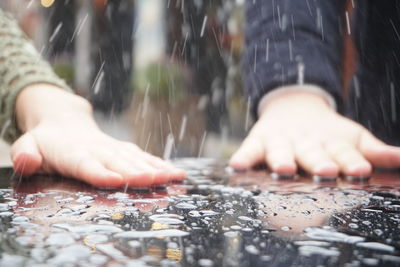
x,y
215,218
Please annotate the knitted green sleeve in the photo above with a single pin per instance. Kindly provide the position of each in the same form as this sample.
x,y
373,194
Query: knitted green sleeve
x,y
20,66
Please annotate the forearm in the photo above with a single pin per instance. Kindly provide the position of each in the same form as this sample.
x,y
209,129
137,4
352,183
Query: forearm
x,y
20,67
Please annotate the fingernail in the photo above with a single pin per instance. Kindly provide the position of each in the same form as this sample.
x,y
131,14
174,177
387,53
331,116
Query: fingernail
x,y
359,170
238,166
115,175
326,169
284,168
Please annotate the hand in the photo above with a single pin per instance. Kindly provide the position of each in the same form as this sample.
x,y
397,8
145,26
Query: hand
x,y
300,129
60,136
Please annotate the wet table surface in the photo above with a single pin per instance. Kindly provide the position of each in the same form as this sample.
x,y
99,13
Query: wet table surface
x,y
214,218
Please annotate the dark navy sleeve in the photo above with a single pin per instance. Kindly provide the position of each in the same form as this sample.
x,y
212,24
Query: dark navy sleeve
x,y
293,41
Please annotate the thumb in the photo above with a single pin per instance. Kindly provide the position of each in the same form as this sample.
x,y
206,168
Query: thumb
x,y
25,155
250,153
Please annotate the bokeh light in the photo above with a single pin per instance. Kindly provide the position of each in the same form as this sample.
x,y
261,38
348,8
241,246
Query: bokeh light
x,y
47,3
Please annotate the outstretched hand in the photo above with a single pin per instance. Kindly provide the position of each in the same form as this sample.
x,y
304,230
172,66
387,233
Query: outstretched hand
x,y
299,129
60,136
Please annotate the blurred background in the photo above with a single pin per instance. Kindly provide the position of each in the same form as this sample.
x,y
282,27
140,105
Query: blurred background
x,y
164,74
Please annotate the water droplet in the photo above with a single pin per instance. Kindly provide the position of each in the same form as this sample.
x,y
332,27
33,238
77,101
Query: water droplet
x,y
319,251
151,234
375,246
60,239
205,262
171,219
86,229
252,250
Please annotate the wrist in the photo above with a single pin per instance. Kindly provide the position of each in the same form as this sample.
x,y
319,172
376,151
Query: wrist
x,y
39,103
296,98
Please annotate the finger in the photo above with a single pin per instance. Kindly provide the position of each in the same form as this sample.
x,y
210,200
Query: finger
x,y
25,155
138,159
172,172
132,152
378,153
135,174
250,153
314,159
93,172
350,161
159,175
280,155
